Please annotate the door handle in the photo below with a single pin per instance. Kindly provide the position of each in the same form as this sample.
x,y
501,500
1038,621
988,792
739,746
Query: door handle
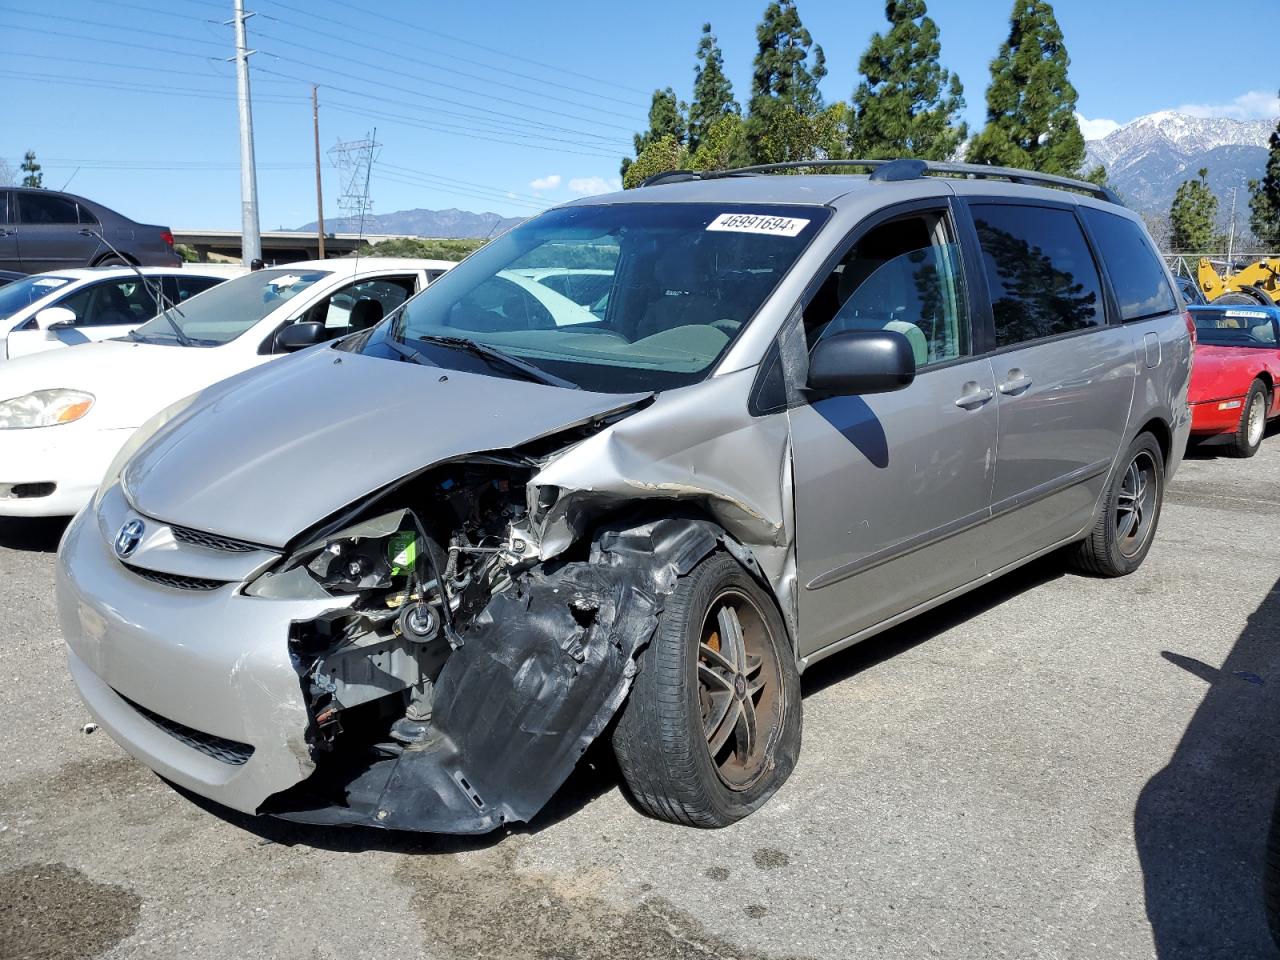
x,y
973,398
1015,385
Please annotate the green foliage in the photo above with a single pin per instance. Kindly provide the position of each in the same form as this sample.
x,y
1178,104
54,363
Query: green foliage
x,y
659,156
666,119
423,249
188,254
724,145
908,105
712,91
1264,198
785,100
32,177
1097,175
1193,216
1031,104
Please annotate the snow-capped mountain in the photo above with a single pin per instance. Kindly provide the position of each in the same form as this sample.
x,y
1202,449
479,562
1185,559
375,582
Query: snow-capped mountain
x,y
1149,157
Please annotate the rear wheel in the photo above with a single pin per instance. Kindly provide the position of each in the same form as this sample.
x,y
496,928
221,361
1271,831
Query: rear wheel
x,y
1126,524
712,726
112,261
1253,421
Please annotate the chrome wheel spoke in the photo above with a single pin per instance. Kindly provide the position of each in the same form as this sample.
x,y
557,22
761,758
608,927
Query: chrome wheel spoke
x,y
715,659
719,733
744,732
732,642
713,680
1126,524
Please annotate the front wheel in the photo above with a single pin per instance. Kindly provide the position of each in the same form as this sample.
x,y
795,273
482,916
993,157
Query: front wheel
x,y
712,726
1253,422
1126,525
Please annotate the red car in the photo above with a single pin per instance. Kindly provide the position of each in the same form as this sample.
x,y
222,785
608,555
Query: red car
x,y
1233,378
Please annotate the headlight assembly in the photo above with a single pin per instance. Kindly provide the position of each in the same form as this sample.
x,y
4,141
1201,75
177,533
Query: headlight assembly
x,y
44,408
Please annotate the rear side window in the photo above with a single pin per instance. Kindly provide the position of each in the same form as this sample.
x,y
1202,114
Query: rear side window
x,y
40,209
1137,275
177,289
4,207
1040,274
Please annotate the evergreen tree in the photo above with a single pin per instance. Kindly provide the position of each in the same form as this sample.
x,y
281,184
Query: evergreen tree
x,y
723,145
784,85
712,91
666,119
32,177
1193,216
1031,104
658,156
908,105
1264,199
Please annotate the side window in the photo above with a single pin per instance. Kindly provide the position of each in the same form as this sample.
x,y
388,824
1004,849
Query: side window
x,y
904,275
178,289
1136,272
1040,273
360,305
85,216
4,207
41,210
116,302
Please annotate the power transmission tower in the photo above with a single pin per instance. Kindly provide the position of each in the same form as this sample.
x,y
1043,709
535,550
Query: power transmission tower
x,y
354,160
251,236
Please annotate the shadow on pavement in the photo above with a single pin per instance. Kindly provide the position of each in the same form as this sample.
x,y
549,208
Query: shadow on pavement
x,y
1214,448
37,534
1200,824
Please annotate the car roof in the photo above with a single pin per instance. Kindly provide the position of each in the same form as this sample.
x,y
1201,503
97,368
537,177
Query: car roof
x,y
107,273
347,266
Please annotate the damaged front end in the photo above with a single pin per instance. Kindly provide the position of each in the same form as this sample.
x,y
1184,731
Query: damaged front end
x,y
458,676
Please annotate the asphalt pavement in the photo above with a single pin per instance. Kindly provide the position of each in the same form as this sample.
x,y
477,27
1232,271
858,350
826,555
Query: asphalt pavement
x,y
1053,766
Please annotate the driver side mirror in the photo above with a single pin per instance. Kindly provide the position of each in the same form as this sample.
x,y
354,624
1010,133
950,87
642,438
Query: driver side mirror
x,y
55,318
299,336
861,361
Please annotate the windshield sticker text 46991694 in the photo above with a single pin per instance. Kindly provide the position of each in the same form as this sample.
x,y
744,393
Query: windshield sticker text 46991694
x,y
758,223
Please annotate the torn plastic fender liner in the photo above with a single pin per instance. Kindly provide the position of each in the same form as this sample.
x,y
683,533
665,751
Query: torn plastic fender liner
x,y
544,668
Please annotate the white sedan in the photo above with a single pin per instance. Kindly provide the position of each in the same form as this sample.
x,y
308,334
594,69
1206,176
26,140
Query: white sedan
x,y
62,308
64,415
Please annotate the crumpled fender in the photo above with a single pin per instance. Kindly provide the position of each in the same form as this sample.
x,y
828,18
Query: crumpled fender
x,y
543,670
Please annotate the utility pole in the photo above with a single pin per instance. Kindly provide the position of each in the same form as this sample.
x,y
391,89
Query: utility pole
x,y
251,239
1231,234
315,125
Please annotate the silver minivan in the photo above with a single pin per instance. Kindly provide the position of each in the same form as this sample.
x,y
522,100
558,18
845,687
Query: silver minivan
x,y
405,579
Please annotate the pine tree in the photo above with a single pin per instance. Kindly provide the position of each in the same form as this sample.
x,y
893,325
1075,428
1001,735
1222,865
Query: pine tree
x,y
666,119
784,86
1031,104
723,146
712,91
1264,199
1193,216
32,177
658,156
909,105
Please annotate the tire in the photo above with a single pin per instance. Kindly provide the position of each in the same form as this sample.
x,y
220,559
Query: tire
x,y
1237,300
112,261
660,741
1247,439
1271,874
1114,548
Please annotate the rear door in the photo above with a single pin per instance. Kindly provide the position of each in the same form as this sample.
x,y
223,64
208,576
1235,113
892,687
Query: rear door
x,y
1064,374
49,236
8,232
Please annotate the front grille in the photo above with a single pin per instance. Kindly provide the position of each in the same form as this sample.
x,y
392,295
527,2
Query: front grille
x,y
177,581
210,540
219,748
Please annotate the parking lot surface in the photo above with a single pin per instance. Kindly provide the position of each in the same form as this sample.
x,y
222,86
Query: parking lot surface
x,y
1053,766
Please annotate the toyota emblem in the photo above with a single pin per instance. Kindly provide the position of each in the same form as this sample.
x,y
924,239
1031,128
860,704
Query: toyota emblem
x,y
128,538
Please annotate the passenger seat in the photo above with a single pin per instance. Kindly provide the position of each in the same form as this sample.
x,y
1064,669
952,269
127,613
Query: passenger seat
x,y
365,314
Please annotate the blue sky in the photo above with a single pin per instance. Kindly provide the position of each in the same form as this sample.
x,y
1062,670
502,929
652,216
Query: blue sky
x,y
147,113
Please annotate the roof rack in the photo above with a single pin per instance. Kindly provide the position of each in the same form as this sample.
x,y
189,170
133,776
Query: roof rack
x,y
892,171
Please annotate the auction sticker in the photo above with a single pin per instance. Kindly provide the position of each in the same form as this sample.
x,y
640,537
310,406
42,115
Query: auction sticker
x,y
758,223
1250,314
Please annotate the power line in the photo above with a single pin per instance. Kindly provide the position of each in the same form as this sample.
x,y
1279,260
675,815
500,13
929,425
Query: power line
x,y
346,40
148,89
113,26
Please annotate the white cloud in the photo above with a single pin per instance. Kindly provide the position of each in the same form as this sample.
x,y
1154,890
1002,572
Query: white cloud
x,y
1096,129
549,182
589,186
1254,105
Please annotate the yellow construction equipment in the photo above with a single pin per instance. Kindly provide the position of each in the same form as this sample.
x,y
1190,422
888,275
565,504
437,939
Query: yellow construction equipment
x,y
1260,281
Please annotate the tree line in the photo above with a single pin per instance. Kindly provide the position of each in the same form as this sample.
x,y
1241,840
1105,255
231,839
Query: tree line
x,y
906,104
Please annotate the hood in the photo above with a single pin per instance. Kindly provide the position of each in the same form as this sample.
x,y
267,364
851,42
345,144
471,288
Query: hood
x,y
277,449
130,381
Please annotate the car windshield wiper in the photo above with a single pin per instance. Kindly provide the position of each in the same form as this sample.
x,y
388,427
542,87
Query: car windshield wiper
x,y
156,290
491,353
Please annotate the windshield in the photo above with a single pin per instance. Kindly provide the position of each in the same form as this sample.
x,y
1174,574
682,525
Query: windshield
x,y
22,293
616,298
221,314
1228,327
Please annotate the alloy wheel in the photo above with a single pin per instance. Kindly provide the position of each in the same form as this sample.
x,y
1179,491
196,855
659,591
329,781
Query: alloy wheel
x,y
1136,504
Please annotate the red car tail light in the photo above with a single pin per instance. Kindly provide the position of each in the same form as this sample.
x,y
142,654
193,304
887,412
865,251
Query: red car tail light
x,y
1191,325
167,236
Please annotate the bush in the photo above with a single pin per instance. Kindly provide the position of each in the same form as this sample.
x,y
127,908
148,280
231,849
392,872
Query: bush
x,y
424,249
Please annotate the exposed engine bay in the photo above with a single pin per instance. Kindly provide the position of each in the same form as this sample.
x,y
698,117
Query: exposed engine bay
x,y
458,677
